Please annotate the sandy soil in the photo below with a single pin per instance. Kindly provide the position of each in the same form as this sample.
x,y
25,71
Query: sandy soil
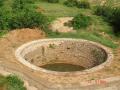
x,y
58,25
8,62
25,35
8,45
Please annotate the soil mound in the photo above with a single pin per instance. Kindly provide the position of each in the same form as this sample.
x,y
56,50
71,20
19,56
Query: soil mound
x,y
25,35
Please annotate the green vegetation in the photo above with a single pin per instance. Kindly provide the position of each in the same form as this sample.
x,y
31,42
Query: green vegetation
x,y
1,2
11,82
52,46
28,19
70,3
80,21
83,4
21,4
112,3
3,32
78,4
111,15
18,5
57,10
21,16
4,19
88,35
53,1
39,13
101,25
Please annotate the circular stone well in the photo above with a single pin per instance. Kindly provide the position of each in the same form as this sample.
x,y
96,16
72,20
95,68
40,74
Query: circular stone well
x,y
64,56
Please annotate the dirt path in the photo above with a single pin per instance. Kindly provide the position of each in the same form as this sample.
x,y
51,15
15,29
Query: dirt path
x,y
8,61
58,25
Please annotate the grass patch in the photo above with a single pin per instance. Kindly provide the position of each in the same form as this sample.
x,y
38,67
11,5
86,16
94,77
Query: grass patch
x,y
92,32
80,21
110,15
11,82
58,9
85,35
3,32
108,2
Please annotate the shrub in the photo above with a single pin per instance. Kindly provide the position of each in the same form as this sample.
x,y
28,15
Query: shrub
x,y
70,3
14,83
29,1
4,18
28,19
103,11
2,80
81,21
20,4
21,17
78,4
116,21
1,2
53,1
83,4
111,15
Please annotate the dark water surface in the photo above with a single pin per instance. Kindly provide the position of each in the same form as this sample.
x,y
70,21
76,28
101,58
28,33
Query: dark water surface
x,y
63,67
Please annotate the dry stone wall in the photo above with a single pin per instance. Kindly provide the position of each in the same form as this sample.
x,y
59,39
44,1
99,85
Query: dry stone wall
x,y
73,52
66,50
91,55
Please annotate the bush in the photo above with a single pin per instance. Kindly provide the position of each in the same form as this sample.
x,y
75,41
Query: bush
x,y
78,4
25,17
29,1
28,19
4,18
21,17
71,3
83,4
14,83
1,2
18,5
53,1
116,21
103,11
111,15
81,21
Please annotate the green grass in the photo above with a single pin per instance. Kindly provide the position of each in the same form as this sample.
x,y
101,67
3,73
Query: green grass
x,y
113,2
3,32
58,9
109,2
2,82
11,82
93,33
99,25
86,35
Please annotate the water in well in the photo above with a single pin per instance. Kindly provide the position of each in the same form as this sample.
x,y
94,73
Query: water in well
x,y
62,67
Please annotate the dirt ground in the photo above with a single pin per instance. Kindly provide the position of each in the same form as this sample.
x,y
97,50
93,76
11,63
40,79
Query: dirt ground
x,y
10,42
1,88
25,35
58,25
